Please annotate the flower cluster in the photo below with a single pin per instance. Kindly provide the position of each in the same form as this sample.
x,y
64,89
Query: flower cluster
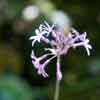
x,y
60,44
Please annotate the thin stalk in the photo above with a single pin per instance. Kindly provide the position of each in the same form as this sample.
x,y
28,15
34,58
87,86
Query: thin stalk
x,y
57,90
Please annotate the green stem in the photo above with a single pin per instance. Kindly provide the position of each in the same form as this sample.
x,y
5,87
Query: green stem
x,y
57,90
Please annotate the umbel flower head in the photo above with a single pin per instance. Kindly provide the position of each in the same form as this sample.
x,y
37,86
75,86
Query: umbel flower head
x,y
60,44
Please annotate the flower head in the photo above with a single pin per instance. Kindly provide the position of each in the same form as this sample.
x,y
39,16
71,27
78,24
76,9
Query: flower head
x,y
60,45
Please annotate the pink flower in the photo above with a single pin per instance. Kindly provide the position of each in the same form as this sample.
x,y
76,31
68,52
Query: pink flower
x,y
60,45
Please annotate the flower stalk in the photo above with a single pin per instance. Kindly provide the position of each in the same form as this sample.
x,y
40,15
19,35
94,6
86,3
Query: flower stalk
x,y
57,90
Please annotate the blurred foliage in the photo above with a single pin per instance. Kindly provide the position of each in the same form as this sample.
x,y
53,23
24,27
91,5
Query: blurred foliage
x,y
12,88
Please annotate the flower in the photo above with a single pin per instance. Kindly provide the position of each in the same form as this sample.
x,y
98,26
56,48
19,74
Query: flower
x,y
60,44
44,29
